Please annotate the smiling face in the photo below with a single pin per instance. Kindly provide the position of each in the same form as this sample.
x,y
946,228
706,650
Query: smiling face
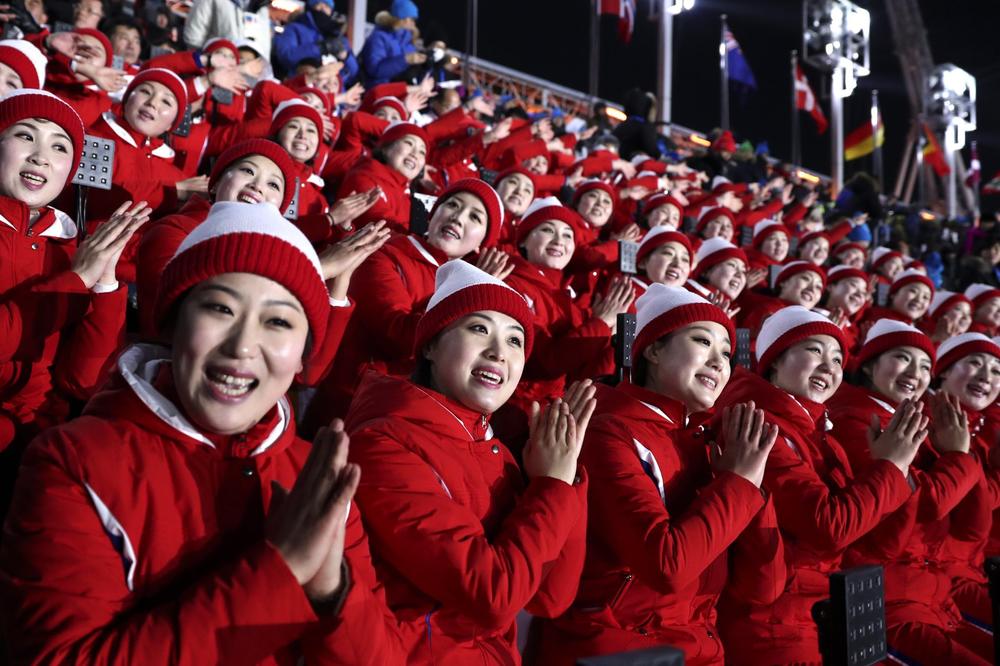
x,y
300,137
253,179
595,207
848,295
665,215
729,277
775,246
516,192
550,244
313,100
899,374
36,158
690,365
459,225
816,251
389,113
9,80
912,300
974,379
237,345
988,312
151,109
478,360
803,289
407,156
960,316
720,226
669,264
853,257
811,369
890,267
539,165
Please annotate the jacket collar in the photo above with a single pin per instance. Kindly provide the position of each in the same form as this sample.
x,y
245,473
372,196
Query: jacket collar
x,y
132,138
51,222
670,410
427,252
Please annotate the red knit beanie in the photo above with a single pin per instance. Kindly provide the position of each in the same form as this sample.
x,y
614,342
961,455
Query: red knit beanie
x,y
26,103
659,236
217,44
789,326
958,347
396,131
796,267
166,78
766,228
264,148
713,213
248,238
910,276
392,103
811,236
543,210
26,60
714,251
590,186
663,310
461,289
490,200
880,255
945,300
979,293
841,272
102,38
294,108
511,171
725,141
645,179
888,334
323,96
658,199
844,247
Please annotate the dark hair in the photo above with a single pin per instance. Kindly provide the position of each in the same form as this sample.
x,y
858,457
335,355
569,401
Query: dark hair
x,y
422,372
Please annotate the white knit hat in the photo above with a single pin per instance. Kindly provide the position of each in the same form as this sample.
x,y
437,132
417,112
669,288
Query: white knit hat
x,y
979,293
26,60
661,235
944,300
461,289
886,334
958,347
664,309
789,326
714,251
882,254
765,228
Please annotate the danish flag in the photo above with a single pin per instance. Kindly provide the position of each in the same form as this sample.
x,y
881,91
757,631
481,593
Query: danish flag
x,y
625,11
805,100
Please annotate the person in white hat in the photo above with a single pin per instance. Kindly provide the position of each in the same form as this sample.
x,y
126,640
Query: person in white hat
x,y
682,528
949,314
822,508
846,297
462,545
985,308
910,295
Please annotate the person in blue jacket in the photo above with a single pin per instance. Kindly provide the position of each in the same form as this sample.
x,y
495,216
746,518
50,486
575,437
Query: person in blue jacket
x,y
390,50
315,33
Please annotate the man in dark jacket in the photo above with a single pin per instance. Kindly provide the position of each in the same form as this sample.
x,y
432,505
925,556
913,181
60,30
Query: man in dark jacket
x,y
315,33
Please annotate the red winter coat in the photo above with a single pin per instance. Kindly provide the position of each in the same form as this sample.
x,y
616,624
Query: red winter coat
x,y
159,244
134,538
461,545
40,299
822,510
917,585
394,204
661,529
391,289
143,171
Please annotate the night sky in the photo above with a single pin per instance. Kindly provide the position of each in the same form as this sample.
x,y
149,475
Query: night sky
x,y
550,39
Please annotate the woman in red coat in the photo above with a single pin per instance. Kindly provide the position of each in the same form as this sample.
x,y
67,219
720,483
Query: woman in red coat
x,y
885,264
392,288
721,267
797,283
910,295
152,105
668,531
62,312
462,546
985,308
949,314
847,296
769,246
238,569
398,159
572,341
516,187
663,257
893,370
822,509
662,209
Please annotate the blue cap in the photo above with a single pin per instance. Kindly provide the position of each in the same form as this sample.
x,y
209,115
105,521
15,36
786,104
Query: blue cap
x,y
403,9
861,233
313,3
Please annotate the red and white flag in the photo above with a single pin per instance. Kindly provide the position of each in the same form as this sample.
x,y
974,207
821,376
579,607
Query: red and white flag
x,y
625,11
974,173
805,100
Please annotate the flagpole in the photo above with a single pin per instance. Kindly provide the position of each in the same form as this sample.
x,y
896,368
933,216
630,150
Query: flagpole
x,y
876,148
796,137
836,134
665,58
724,66
595,49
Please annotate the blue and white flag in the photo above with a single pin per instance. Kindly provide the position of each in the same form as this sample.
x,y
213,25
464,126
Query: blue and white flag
x,y
737,65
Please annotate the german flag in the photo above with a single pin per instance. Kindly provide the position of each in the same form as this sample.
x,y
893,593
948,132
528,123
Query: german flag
x,y
859,142
933,155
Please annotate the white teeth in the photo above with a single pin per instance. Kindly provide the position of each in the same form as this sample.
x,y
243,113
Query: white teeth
x,y
491,377
230,385
708,381
33,178
246,198
818,383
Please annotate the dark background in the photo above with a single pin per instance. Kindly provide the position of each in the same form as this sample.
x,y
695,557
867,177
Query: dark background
x,y
550,39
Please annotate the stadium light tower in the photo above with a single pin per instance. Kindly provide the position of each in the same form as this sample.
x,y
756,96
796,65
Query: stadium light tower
x,y
835,37
665,60
950,103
